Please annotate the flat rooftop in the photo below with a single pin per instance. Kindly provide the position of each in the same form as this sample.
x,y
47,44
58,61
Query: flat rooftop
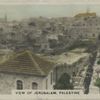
x,y
69,57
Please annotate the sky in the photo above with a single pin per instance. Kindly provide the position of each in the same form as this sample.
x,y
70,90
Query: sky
x,y
17,12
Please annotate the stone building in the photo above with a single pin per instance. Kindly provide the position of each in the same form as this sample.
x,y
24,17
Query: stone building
x,y
25,71
74,63
87,14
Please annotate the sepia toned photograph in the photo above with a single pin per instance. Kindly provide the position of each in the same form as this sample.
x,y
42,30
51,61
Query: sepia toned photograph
x,y
50,49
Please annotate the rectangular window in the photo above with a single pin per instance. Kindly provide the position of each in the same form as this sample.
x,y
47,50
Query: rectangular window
x,y
51,78
56,74
46,83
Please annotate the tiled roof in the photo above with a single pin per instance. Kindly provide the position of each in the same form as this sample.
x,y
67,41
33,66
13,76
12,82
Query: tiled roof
x,y
27,63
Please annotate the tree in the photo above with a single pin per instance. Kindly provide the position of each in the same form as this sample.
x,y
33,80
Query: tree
x,y
98,62
97,83
99,37
64,82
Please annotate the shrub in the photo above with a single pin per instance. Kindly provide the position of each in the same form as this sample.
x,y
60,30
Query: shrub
x,y
97,83
98,62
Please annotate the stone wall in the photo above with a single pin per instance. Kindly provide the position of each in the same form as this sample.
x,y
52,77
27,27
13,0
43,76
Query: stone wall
x,y
8,82
75,67
49,81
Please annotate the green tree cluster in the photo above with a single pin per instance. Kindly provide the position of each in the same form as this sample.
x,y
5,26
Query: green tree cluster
x,y
64,82
98,62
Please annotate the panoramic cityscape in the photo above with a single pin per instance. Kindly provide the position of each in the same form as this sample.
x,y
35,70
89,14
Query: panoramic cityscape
x,y
50,53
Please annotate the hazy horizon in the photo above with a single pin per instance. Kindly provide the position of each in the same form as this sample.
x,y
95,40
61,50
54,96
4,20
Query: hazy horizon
x,y
17,12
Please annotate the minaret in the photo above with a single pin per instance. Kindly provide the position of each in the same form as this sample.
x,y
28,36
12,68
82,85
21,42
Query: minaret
x,y
5,18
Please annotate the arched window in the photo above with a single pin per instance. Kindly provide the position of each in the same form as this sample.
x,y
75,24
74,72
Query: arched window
x,y
34,86
19,85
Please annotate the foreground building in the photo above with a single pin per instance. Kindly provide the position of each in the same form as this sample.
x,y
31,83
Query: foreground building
x,y
25,71
28,71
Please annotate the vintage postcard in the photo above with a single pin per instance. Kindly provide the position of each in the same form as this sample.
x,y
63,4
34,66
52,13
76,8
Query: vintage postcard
x,y
50,49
